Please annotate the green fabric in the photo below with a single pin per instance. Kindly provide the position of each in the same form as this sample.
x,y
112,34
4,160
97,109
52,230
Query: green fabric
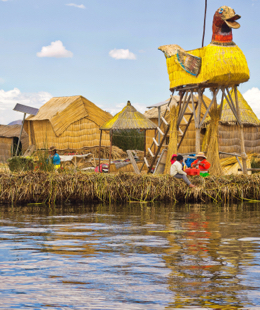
x,y
204,174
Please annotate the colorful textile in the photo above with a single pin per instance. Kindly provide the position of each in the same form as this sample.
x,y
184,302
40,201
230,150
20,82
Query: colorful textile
x,y
172,160
203,165
56,159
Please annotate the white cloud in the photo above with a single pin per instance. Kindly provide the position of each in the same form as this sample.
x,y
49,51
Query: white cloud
x,y
114,110
8,99
252,96
79,6
122,54
56,49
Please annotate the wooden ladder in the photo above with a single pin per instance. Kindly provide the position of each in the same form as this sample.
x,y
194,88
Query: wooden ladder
x,y
182,113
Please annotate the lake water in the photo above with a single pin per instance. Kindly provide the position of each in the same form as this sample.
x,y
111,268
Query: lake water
x,y
130,257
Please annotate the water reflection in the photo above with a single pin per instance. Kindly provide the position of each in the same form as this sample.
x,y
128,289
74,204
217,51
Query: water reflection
x,y
132,257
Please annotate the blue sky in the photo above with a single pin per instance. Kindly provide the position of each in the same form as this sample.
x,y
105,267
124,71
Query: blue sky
x,y
87,33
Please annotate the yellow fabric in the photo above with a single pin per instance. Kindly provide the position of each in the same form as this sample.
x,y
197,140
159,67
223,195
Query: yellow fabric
x,y
223,65
56,166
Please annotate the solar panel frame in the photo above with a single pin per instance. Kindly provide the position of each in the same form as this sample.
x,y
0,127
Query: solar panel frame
x,y
25,109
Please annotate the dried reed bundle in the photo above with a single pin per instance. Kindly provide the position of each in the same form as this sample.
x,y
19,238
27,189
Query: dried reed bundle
x,y
212,147
173,134
231,166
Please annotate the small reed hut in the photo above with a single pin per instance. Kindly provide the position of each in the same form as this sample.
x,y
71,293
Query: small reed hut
x,y
229,136
69,123
188,143
128,118
9,136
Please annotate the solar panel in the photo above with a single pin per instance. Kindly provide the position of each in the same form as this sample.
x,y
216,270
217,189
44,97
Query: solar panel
x,y
25,109
157,105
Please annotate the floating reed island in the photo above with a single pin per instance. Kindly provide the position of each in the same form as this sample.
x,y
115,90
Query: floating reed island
x,y
51,188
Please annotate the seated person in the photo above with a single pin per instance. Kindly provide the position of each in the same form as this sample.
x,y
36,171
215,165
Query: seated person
x,y
173,159
178,173
201,163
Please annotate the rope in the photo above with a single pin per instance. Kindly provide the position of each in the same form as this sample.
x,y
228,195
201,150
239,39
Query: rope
x,y
204,26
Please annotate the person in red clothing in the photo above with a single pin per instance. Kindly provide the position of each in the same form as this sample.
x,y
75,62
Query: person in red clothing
x,y
201,162
173,159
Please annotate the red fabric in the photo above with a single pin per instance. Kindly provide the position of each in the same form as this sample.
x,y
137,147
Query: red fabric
x,y
204,165
172,160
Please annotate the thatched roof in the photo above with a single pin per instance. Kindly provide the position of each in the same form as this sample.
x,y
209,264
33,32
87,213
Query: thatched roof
x,y
247,115
11,131
129,118
63,111
153,113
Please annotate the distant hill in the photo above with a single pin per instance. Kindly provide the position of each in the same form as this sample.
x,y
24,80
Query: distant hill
x,y
19,122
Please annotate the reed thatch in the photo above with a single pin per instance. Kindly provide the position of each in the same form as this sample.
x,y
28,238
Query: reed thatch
x,y
9,135
68,123
128,118
228,132
41,187
188,144
247,115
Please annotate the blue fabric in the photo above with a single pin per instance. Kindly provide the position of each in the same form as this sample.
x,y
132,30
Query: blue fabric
x,y
56,159
189,161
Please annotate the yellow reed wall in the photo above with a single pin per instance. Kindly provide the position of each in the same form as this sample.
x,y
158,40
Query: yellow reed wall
x,y
6,145
82,133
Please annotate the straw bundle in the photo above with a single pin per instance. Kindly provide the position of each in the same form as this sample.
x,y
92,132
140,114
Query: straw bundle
x,y
231,166
212,143
173,133
223,65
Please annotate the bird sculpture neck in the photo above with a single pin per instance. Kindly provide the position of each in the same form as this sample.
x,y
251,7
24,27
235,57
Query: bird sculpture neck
x,y
222,34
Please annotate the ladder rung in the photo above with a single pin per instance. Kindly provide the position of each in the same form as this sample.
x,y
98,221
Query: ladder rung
x,y
149,150
158,128
185,120
188,113
180,131
146,162
164,120
155,142
168,109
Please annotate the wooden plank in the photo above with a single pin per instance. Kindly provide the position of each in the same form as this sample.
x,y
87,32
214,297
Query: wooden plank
x,y
232,108
250,169
133,162
160,166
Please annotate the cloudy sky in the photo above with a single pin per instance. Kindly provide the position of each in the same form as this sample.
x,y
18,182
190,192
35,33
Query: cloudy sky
x,y
106,50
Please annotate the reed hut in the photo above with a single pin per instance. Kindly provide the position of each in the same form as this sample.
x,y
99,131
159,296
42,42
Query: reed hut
x,y
128,118
9,136
229,135
188,143
69,123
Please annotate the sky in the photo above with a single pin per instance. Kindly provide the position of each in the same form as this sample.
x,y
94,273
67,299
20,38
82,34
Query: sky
x,y
107,50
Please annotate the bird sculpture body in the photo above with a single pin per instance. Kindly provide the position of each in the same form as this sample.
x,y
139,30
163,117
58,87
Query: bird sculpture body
x,y
221,62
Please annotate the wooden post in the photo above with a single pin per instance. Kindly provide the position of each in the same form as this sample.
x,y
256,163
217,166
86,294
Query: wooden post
x,y
159,123
242,140
100,170
145,143
110,151
154,147
197,123
20,135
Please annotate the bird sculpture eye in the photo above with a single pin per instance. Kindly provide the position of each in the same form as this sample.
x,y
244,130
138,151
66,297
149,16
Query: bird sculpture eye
x,y
220,11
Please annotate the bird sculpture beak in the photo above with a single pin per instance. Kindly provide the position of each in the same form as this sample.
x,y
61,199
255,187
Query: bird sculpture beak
x,y
230,20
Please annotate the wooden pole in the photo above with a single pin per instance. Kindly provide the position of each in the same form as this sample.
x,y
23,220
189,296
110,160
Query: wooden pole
x,y
145,143
110,151
242,140
20,135
100,170
204,25
197,123
159,123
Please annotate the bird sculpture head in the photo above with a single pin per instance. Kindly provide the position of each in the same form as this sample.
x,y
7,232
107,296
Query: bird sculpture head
x,y
224,20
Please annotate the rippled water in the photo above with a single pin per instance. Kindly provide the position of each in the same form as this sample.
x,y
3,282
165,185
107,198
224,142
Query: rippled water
x,y
130,257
